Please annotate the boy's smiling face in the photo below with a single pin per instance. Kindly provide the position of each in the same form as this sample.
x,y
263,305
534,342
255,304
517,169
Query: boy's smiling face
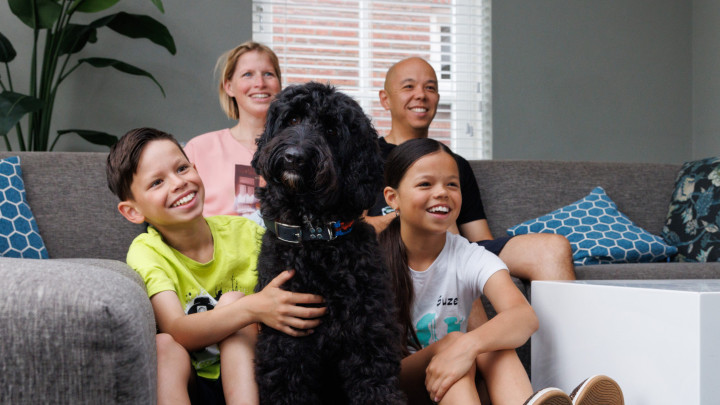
x,y
166,188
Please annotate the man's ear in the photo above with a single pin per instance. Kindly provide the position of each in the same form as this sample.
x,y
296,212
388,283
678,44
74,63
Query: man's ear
x,y
384,99
130,212
391,197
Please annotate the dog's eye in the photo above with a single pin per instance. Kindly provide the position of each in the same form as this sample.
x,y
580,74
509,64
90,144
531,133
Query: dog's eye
x,y
331,131
294,121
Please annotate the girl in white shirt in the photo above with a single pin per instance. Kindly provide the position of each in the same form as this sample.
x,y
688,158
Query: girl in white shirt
x,y
437,276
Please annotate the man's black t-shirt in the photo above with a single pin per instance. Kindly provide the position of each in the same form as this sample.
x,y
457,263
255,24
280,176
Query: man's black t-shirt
x,y
471,209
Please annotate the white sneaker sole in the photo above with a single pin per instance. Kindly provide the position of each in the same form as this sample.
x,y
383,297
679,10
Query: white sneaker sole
x,y
549,396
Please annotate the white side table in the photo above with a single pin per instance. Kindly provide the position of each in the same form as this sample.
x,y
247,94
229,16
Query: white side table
x,y
659,339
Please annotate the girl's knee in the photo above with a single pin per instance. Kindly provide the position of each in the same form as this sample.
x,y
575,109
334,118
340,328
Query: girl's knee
x,y
229,297
442,344
454,335
450,338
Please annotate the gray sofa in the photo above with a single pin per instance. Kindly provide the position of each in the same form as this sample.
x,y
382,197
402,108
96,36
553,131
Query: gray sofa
x,y
79,327
516,191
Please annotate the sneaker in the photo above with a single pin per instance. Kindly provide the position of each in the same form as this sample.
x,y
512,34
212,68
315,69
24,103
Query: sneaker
x,y
549,396
598,390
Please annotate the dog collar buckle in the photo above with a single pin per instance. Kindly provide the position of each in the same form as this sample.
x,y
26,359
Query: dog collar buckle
x,y
297,234
284,232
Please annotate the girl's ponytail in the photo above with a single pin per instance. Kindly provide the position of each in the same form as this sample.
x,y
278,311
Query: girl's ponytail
x,y
396,262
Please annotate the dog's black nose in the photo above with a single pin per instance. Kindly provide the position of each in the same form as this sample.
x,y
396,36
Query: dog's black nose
x,y
293,156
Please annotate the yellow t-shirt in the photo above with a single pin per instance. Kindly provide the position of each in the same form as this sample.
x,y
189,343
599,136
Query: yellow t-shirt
x,y
198,286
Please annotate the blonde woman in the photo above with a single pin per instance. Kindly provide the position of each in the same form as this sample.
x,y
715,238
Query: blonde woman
x,y
249,80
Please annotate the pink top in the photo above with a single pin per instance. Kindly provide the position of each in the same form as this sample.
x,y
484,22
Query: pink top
x,y
224,167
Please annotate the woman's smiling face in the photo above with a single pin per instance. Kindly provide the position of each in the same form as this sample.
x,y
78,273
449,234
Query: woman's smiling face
x,y
254,84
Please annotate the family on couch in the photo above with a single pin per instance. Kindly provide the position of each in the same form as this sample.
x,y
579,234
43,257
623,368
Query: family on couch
x,y
419,216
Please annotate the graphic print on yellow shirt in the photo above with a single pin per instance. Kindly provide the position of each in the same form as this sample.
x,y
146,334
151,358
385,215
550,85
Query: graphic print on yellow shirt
x,y
199,285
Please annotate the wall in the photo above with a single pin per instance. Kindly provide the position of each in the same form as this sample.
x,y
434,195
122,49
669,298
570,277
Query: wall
x,y
113,102
572,79
592,80
706,78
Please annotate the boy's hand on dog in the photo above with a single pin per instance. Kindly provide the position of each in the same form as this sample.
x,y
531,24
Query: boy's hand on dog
x,y
279,309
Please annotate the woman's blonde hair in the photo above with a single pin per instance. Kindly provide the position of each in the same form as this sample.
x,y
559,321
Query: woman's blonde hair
x,y
226,67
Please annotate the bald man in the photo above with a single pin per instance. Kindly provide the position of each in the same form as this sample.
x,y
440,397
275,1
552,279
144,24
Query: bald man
x,y
411,95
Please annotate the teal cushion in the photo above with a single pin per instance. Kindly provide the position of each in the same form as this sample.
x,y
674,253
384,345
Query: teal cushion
x,y
598,232
693,222
19,236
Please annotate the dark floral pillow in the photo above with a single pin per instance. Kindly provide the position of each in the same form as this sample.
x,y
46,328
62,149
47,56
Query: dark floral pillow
x,y
693,223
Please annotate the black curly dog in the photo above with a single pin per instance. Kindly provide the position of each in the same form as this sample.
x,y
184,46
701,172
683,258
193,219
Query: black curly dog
x,y
320,159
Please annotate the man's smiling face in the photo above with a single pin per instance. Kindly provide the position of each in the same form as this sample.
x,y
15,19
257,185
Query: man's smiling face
x,y
411,94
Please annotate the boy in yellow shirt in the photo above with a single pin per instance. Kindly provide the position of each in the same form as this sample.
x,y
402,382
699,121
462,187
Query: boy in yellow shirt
x,y
200,274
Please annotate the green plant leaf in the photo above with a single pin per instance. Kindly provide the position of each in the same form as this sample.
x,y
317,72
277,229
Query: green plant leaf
x,y
94,137
76,37
13,106
7,52
121,66
159,5
142,26
92,6
48,12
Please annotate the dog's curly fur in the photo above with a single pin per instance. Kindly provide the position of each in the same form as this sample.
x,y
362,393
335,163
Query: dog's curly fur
x,y
320,159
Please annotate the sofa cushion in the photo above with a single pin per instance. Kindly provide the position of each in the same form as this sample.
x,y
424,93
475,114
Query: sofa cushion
x,y
693,222
598,232
19,235
75,332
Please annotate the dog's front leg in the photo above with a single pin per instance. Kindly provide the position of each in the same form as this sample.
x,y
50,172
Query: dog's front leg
x,y
286,370
370,365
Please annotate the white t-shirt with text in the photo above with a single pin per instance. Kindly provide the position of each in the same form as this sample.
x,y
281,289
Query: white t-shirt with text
x,y
445,291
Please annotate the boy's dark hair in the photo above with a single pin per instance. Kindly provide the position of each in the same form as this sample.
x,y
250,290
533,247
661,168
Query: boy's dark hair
x,y
124,156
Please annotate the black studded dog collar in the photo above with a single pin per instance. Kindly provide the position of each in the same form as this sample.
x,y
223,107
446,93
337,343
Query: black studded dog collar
x,y
298,234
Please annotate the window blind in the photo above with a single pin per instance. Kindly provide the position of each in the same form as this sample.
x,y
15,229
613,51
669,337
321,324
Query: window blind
x,y
352,43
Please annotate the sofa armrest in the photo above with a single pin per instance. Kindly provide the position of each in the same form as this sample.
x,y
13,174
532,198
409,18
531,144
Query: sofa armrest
x,y
75,331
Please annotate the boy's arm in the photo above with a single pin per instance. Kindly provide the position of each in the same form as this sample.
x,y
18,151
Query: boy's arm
x,y
272,306
198,330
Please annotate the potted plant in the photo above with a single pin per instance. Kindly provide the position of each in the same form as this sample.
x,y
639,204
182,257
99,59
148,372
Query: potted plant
x,y
56,42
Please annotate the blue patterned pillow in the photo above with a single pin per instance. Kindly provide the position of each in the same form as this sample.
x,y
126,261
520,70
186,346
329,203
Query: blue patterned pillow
x,y
693,223
598,232
19,236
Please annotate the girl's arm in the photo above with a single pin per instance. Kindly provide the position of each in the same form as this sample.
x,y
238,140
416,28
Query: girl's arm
x,y
513,325
272,306
515,321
